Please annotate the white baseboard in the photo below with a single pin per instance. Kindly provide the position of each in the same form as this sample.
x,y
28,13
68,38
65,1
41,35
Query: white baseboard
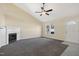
x,y
72,41
30,36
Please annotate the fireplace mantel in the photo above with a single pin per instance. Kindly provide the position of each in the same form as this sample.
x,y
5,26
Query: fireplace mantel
x,y
13,30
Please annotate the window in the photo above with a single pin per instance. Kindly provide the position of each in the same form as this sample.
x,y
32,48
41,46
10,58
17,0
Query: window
x,y
50,29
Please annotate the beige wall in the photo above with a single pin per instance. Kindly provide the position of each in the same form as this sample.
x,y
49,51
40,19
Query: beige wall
x,y
2,20
11,16
15,17
60,27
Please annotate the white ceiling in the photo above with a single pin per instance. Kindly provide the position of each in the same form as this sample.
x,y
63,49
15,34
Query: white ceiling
x,y
59,10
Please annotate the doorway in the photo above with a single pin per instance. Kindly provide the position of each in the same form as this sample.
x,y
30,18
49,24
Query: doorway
x,y
72,34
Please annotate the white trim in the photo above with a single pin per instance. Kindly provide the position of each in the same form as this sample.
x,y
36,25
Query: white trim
x,y
29,36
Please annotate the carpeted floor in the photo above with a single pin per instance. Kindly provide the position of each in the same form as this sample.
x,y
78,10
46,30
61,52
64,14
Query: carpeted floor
x,y
34,47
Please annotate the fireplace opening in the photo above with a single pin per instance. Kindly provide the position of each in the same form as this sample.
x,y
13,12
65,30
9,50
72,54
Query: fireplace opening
x,y
12,37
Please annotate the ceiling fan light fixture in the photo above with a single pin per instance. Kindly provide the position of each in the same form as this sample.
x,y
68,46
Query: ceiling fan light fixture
x,y
43,11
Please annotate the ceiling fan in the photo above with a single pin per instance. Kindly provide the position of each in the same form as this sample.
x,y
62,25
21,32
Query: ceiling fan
x,y
43,11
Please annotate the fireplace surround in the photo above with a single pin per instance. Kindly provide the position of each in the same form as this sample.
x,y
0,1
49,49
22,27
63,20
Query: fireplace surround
x,y
9,35
12,37
13,34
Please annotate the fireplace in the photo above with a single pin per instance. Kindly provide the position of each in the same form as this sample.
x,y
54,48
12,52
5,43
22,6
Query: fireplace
x,y
12,37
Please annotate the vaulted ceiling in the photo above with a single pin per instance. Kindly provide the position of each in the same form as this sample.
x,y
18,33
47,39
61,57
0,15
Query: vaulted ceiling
x,y
59,10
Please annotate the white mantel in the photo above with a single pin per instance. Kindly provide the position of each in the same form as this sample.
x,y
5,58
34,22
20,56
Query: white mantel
x,y
13,30
4,32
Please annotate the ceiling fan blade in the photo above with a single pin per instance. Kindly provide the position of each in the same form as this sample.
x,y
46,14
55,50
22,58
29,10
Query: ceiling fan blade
x,y
49,10
40,14
46,13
